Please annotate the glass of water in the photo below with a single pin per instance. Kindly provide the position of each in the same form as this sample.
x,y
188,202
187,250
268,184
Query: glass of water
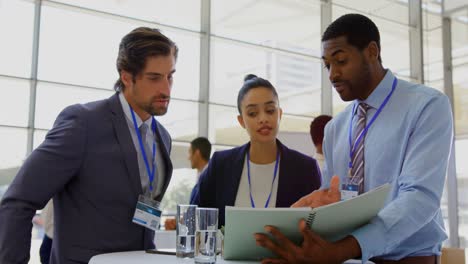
x,y
185,230
205,235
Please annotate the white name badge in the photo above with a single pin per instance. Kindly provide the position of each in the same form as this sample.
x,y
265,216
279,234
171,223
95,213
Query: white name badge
x,y
349,191
147,213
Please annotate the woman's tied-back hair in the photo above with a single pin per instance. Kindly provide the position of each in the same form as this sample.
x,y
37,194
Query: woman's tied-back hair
x,y
251,81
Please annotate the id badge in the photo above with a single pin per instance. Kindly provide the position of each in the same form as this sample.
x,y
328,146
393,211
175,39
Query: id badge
x,y
349,191
147,213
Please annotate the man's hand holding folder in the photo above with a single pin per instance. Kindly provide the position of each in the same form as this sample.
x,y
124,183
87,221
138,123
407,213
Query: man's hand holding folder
x,y
314,249
321,197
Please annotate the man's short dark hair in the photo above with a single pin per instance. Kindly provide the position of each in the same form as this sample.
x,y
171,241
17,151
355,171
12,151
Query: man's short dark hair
x,y
359,31
317,127
203,145
138,45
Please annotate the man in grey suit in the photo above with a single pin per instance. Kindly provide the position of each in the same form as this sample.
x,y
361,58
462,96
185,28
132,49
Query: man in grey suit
x,y
95,163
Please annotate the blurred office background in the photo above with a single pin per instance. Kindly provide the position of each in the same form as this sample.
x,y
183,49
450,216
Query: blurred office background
x,y
57,53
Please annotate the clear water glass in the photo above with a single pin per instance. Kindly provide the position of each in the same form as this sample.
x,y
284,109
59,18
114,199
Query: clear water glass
x,y
205,235
185,230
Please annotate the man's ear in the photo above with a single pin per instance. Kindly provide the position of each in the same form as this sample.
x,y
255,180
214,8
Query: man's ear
x,y
241,121
127,78
373,51
197,153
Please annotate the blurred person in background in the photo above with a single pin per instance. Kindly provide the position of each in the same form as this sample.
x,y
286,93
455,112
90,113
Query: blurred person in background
x,y
199,156
317,128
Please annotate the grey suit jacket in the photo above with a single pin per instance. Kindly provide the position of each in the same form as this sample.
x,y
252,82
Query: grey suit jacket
x,y
88,164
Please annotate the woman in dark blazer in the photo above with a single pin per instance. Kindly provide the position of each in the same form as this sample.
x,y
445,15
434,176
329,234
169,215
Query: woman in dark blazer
x,y
263,172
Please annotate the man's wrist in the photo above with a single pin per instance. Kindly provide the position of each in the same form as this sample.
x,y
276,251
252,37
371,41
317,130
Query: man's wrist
x,y
347,248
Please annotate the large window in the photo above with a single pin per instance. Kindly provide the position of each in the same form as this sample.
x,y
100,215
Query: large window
x,y
13,142
15,95
281,45
176,13
53,98
282,24
460,83
16,29
432,45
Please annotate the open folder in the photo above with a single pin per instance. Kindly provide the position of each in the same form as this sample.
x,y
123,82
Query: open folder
x,y
332,222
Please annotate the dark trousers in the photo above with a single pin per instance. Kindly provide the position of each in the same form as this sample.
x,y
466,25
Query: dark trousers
x,y
44,250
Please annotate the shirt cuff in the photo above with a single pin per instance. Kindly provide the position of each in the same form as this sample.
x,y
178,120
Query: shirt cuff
x,y
371,239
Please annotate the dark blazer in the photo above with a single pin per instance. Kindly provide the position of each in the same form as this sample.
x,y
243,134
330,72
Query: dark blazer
x,y
88,164
298,175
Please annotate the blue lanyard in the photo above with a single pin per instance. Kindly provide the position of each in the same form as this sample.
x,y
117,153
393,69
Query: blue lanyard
x,y
142,148
352,148
252,202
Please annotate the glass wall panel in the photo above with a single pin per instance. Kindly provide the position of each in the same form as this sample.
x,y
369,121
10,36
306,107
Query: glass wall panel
x,y
14,102
224,127
16,29
181,120
296,79
461,148
291,123
187,76
178,13
460,82
12,152
391,10
86,52
82,54
289,25
460,69
39,136
53,98
432,48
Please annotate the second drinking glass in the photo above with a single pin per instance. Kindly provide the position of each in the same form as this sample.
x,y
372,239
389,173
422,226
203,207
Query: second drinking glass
x,y
205,235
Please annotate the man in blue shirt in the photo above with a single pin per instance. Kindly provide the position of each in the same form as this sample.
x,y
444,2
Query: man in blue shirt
x,y
199,156
407,140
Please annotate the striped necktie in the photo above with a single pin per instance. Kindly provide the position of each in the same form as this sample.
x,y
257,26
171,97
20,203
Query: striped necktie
x,y
143,172
357,169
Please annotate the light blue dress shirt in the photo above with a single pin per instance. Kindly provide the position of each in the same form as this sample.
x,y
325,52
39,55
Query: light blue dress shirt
x,y
407,146
159,176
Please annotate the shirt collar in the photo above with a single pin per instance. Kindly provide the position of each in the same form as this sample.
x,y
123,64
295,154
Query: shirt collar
x,y
376,98
204,168
128,114
319,156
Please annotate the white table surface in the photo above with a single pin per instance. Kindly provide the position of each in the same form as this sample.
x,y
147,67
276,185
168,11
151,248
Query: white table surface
x,y
140,257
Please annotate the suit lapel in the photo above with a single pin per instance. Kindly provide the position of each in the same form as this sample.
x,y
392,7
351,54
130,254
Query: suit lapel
x,y
167,160
126,144
283,188
231,185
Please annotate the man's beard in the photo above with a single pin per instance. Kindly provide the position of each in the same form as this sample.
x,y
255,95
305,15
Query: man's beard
x,y
364,79
154,111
